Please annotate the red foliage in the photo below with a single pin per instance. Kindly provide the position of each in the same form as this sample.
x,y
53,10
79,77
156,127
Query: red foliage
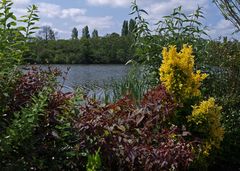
x,y
29,84
135,138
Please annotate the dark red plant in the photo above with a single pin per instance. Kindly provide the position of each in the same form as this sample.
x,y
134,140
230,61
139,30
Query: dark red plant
x,y
135,138
29,84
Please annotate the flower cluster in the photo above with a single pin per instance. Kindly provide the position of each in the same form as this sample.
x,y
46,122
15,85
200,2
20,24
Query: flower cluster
x,y
205,121
177,73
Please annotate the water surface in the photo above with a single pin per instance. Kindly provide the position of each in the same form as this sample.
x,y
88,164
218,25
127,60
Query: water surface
x,y
91,75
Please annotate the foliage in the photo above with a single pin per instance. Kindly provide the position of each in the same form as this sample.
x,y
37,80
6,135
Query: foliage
x,y
35,116
135,84
132,26
13,37
46,33
94,161
135,138
95,34
12,45
125,28
102,50
222,64
177,28
230,10
85,32
177,73
74,33
205,121
39,124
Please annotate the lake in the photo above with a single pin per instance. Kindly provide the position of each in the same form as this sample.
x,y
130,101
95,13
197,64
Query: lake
x,y
89,76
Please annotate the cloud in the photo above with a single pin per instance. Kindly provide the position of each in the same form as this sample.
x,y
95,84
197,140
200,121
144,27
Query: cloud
x,y
114,3
95,22
223,28
117,3
21,2
19,7
160,9
52,11
72,12
53,14
49,10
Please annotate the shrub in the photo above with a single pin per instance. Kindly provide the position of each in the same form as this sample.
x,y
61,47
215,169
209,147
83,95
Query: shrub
x,y
177,28
222,63
39,134
205,122
135,138
177,73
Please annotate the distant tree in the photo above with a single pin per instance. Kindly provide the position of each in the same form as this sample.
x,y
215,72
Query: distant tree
x,y
125,28
230,10
85,32
95,34
52,35
47,33
114,35
132,25
74,33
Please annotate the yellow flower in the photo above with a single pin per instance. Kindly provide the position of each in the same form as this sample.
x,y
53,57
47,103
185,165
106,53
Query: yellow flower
x,y
177,73
206,120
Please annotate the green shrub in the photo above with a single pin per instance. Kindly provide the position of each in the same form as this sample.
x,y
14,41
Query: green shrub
x,y
174,29
222,63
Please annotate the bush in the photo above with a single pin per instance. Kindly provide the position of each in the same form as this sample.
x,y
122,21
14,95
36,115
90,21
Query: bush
x,y
135,138
223,83
177,73
39,133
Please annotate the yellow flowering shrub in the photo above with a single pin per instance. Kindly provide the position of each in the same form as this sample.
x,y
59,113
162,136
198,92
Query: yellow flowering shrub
x,y
177,73
205,120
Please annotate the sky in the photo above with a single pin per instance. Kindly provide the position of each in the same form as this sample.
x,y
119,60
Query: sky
x,y
107,15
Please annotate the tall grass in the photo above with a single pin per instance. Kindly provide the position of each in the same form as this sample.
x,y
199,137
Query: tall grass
x,y
135,84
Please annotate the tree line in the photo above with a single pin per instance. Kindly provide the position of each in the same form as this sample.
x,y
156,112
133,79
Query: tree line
x,y
112,48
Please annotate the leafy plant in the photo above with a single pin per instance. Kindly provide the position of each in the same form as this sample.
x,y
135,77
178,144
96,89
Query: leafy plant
x,y
94,161
177,73
176,28
135,138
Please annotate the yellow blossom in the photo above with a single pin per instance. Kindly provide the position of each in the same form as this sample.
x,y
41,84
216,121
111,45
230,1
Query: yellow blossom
x,y
177,73
206,120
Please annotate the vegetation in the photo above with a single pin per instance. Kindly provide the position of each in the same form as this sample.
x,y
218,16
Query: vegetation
x,y
111,48
230,10
166,114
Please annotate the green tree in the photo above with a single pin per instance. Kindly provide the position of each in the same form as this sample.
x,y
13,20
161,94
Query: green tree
x,y
85,32
230,10
52,35
132,25
46,33
95,34
125,28
74,33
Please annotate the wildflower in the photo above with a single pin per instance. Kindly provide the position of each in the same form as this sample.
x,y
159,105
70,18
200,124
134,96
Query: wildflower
x,y
205,118
177,73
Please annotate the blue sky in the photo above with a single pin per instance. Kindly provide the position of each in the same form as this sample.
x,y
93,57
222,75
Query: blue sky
x,y
107,15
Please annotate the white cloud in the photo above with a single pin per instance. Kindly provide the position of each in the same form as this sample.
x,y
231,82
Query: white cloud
x,y
19,11
160,9
19,7
52,10
72,12
115,3
95,22
51,14
49,10
21,2
223,28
